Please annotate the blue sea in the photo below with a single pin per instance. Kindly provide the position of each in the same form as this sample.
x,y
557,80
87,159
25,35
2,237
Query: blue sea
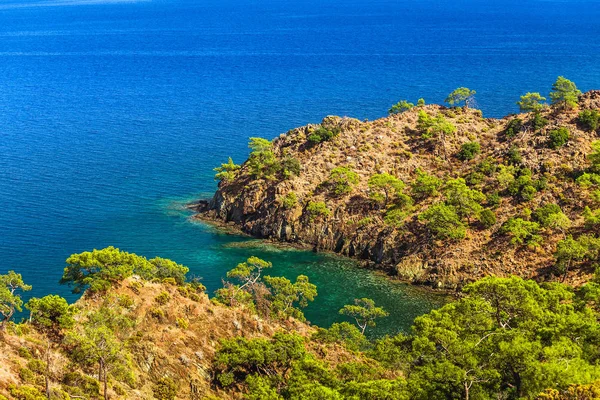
x,y
114,113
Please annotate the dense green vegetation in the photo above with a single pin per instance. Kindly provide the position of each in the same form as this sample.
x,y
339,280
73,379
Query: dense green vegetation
x,y
505,338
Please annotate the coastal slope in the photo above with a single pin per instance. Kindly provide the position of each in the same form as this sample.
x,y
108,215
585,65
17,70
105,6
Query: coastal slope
x,y
435,195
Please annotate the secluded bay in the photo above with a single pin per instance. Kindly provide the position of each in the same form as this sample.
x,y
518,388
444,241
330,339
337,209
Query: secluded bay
x,y
113,114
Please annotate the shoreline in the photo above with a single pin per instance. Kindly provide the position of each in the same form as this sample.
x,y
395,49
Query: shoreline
x,y
231,228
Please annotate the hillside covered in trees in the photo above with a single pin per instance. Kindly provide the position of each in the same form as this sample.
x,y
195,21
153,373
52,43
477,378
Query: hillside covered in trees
x,y
143,331
433,194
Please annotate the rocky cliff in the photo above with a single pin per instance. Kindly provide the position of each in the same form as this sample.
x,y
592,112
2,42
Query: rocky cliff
x,y
520,164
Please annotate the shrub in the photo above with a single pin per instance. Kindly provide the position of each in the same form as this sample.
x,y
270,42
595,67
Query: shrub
x,y
343,333
558,137
290,166
594,156
514,156
522,231
318,209
226,172
37,366
523,186
162,298
322,134
528,193
25,353
168,281
425,185
540,184
27,375
25,392
538,122
430,126
513,127
591,218
421,102
587,179
125,301
83,383
531,102
443,221
493,199
182,323
395,217
488,166
505,176
365,221
487,217
290,200
341,180
589,120
165,389
469,150
551,215
474,178
400,107
156,313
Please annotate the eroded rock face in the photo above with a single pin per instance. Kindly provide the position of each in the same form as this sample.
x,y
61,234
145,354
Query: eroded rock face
x,y
356,226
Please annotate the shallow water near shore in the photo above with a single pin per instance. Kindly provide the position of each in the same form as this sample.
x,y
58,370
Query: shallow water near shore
x,y
114,113
339,280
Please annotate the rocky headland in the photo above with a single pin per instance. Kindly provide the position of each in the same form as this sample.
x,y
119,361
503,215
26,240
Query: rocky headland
x,y
363,189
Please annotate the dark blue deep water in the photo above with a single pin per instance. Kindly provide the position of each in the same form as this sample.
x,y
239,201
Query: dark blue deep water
x,y
113,113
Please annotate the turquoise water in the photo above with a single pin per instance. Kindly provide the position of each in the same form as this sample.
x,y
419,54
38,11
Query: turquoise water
x,y
114,113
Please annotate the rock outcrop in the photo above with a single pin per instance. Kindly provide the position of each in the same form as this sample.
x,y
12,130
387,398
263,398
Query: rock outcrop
x,y
356,225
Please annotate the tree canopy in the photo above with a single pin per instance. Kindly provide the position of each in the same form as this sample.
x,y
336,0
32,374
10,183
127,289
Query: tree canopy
x,y
98,270
51,313
460,95
384,187
364,312
226,172
11,286
564,93
531,102
400,107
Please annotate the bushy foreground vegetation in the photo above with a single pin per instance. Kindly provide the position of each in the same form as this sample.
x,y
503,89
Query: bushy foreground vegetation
x,y
502,338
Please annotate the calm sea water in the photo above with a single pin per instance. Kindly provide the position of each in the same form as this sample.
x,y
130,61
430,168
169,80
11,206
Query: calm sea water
x,y
113,113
